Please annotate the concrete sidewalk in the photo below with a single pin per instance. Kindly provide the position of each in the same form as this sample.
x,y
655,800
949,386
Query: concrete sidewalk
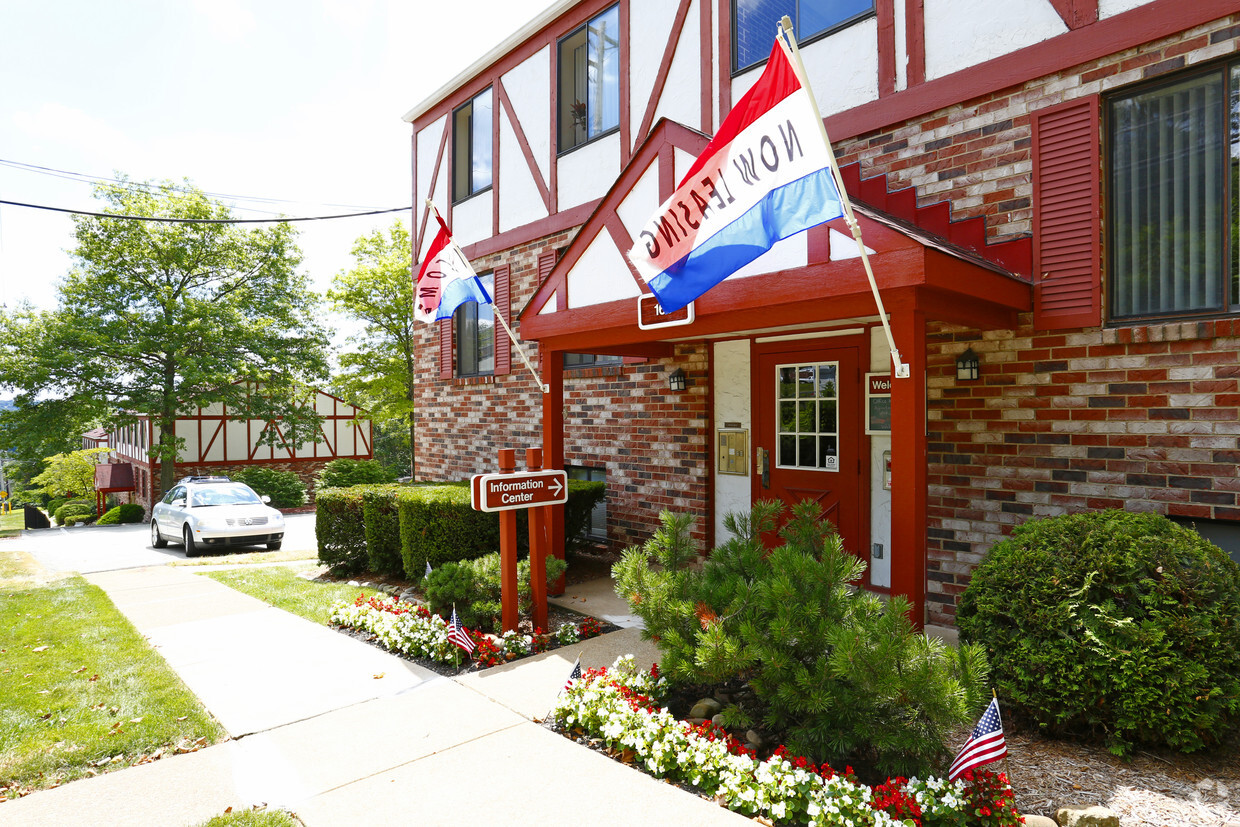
x,y
342,733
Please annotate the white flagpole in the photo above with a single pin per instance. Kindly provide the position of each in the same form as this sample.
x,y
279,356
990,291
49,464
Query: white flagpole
x,y
544,388
785,25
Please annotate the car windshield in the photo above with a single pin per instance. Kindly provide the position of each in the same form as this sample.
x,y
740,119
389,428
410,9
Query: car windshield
x,y
223,495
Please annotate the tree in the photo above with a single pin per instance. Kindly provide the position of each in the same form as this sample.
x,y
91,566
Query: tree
x,y
158,317
71,474
378,292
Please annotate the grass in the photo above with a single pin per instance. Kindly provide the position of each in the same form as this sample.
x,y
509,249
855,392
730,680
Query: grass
x,y
12,523
281,587
254,818
83,692
231,558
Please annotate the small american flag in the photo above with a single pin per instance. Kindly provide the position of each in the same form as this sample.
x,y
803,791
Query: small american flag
x,y
428,569
574,675
985,745
458,635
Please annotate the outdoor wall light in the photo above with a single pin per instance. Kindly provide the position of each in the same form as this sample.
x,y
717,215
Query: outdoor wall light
x,y
676,381
968,368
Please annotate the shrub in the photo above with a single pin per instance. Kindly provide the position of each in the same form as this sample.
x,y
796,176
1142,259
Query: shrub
x,y
54,504
340,530
582,497
452,585
75,511
487,604
123,513
1122,627
284,487
344,473
382,524
437,525
840,675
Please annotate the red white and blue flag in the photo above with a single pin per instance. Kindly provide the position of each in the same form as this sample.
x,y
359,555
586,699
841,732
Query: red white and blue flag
x,y
766,175
985,744
446,281
458,635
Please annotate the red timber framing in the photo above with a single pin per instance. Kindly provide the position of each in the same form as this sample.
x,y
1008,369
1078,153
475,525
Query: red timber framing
x,y
921,277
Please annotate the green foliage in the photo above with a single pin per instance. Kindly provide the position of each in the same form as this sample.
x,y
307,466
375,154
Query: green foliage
x,y
71,473
839,674
75,511
157,317
582,497
452,585
487,604
284,487
1120,627
123,513
438,525
340,530
343,473
382,521
379,370
55,503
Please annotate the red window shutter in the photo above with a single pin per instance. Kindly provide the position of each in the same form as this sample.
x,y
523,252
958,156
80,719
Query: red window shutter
x,y
546,263
444,329
1067,280
503,344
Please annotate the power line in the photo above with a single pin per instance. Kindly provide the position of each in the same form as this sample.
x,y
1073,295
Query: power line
x,y
84,178
203,220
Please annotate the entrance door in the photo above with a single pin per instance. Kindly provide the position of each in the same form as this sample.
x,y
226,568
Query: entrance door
x,y
808,423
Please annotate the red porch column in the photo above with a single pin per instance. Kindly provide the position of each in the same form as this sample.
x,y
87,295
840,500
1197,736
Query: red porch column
x,y
908,464
553,445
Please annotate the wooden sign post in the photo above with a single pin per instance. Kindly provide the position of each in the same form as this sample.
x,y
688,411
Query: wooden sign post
x,y
506,492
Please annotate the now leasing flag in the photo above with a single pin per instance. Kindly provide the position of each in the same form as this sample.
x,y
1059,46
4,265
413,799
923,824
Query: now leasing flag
x,y
985,744
446,281
766,175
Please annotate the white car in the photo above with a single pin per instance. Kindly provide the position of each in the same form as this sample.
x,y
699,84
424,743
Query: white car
x,y
214,511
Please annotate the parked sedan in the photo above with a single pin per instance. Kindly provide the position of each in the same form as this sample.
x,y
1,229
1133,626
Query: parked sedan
x,y
214,511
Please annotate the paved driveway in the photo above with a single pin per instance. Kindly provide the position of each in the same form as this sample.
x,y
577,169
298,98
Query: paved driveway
x,y
89,549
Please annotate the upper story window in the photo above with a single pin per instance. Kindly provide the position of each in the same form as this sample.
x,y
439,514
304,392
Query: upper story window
x,y
754,22
471,146
589,94
475,334
590,360
1172,206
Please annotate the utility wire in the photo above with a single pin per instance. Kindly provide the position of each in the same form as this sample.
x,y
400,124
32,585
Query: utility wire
x,y
202,220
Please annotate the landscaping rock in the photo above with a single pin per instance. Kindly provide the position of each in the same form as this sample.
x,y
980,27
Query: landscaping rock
x,y
354,584
755,740
695,721
706,708
1039,821
1086,817
717,720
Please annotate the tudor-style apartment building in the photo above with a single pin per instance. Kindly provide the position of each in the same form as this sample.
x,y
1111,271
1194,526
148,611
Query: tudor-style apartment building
x,y
1048,193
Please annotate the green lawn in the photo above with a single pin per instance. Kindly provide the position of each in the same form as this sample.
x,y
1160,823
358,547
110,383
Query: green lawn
x,y
254,818
12,523
81,692
281,587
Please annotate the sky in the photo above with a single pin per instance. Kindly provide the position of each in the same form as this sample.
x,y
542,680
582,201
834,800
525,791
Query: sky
x,y
299,101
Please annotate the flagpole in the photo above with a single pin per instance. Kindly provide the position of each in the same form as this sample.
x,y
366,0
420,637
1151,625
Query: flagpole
x,y
543,387
901,368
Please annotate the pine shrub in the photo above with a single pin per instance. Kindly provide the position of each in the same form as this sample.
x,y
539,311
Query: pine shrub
x,y
1123,628
840,675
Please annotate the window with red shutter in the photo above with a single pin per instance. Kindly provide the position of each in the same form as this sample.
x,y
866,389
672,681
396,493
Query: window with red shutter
x,y
503,300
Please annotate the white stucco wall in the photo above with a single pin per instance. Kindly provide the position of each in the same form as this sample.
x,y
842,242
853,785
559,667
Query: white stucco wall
x,y
681,99
640,202
646,17
588,171
471,219
964,33
601,276
427,144
880,499
520,202
529,89
732,403
1110,8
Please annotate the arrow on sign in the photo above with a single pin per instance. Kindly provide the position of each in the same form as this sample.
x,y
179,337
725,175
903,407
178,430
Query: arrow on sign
x,y
556,486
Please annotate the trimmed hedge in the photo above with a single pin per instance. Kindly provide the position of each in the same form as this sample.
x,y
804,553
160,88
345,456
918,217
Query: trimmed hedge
x,y
340,529
1116,626
75,511
123,513
395,529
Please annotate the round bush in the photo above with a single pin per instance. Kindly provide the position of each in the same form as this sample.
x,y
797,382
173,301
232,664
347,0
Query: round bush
x,y
344,473
284,487
75,511
124,513
1120,627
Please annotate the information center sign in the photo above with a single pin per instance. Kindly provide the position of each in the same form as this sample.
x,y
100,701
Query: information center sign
x,y
503,492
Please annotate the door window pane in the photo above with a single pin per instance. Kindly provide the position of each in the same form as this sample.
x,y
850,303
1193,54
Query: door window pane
x,y
808,423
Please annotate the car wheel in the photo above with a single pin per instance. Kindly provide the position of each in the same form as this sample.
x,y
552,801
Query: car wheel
x,y
157,539
275,546
191,548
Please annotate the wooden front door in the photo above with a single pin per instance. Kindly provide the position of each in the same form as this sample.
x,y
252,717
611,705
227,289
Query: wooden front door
x,y
807,429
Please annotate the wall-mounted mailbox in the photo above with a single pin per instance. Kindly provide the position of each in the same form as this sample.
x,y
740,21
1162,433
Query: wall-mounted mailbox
x,y
733,455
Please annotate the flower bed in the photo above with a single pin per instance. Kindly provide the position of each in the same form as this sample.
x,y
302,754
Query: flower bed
x,y
413,631
618,706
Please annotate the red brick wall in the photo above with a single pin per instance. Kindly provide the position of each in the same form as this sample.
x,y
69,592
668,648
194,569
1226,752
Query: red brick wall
x,y
621,418
1140,418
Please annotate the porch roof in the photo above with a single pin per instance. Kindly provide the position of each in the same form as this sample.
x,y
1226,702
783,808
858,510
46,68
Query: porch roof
x,y
589,300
